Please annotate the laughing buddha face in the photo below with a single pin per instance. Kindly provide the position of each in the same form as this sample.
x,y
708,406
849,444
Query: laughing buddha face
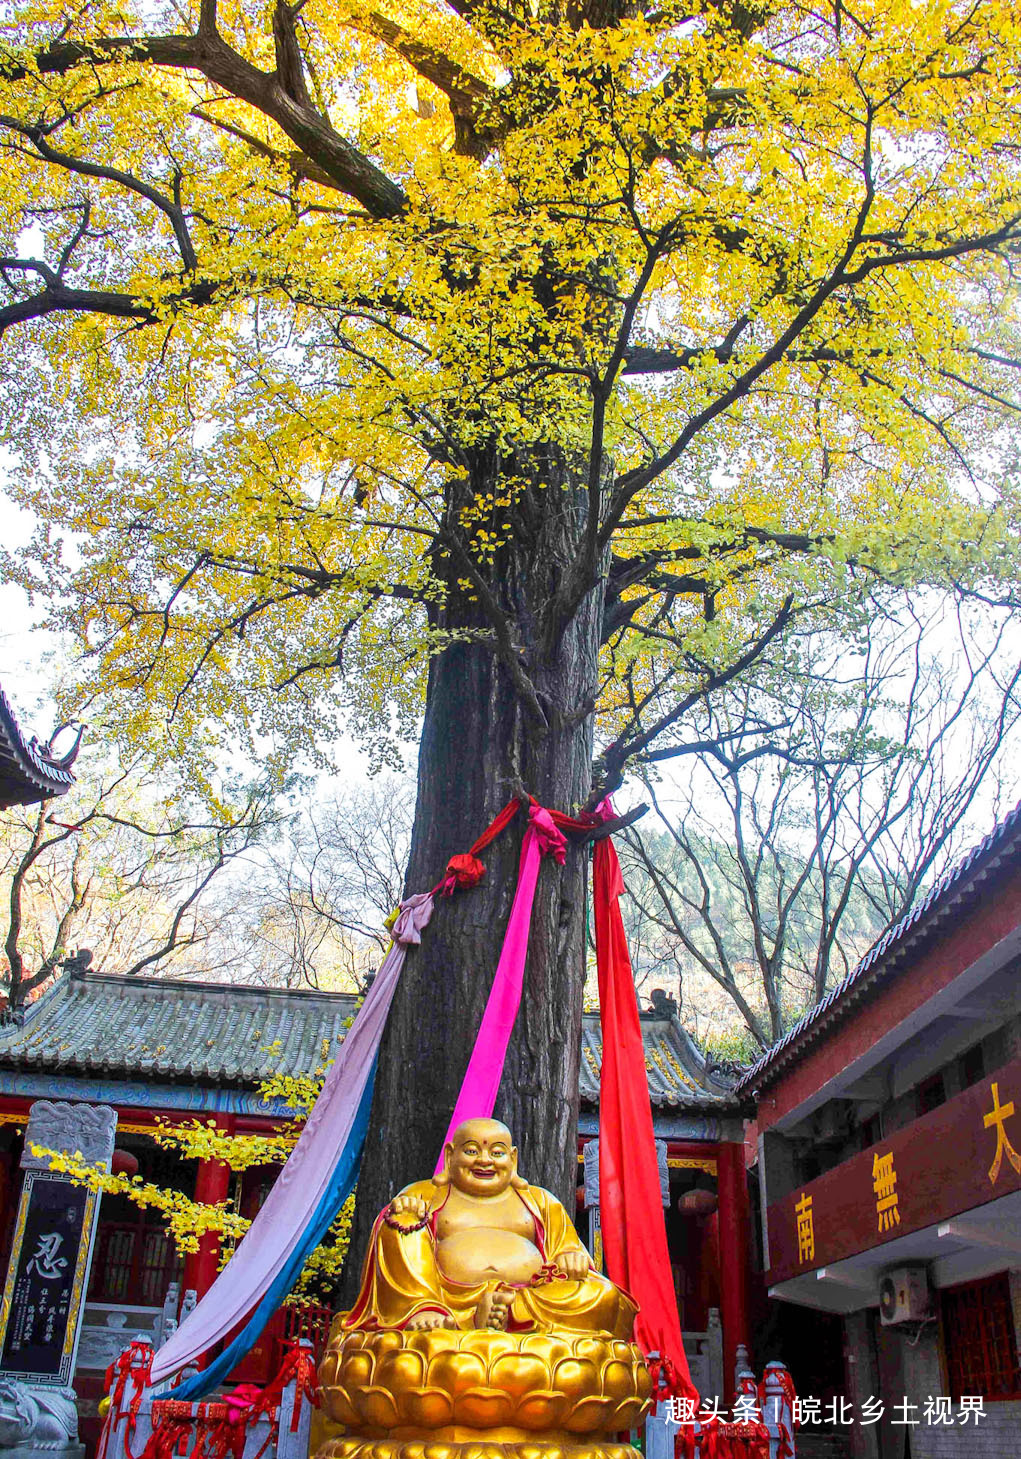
x,y
480,1159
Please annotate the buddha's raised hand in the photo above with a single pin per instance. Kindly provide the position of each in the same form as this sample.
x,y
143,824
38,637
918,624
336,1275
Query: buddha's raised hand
x,y
409,1206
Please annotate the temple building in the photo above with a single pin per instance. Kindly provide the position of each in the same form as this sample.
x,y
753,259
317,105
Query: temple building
x,y
170,1049
888,1145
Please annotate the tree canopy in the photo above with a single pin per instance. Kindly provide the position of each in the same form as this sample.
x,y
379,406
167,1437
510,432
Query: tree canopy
x,y
348,295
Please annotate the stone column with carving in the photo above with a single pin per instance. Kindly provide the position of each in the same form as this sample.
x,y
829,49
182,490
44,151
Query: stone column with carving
x,y
44,1294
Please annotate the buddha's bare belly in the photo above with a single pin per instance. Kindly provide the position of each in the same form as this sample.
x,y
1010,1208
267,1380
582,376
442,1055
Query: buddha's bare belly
x,y
487,1254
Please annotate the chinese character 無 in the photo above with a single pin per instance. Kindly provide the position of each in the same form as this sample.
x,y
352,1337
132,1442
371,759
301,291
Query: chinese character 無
x,y
884,1183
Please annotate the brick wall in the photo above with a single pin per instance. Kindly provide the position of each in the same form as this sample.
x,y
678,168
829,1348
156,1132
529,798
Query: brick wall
x,y
996,1436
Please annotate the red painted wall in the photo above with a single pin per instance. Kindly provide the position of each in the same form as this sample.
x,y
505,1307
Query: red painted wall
x,y
945,1162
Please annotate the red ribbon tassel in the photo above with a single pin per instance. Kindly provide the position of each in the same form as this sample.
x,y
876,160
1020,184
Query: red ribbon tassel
x,y
465,870
219,1430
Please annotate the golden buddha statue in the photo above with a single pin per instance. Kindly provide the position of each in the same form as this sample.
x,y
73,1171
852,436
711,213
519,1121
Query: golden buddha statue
x,y
480,1321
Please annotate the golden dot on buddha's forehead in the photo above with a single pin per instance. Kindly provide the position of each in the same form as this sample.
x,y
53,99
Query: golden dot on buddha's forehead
x,y
479,1129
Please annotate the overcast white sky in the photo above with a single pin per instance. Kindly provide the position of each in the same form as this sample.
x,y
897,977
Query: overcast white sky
x,y
27,652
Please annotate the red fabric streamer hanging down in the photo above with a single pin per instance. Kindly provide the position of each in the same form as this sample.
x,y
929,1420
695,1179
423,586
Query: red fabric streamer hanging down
x,y
631,1212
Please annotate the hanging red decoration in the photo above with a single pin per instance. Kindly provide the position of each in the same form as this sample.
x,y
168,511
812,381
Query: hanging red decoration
x,y
631,1211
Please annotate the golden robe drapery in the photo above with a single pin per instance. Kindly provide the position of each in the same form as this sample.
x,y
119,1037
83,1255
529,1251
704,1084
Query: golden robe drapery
x,y
401,1278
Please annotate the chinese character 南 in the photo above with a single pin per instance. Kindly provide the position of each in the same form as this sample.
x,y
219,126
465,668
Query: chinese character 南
x,y
884,1183
806,1229
44,1259
997,1116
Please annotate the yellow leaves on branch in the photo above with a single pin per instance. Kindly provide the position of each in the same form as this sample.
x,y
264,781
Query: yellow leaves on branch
x,y
266,470
187,1220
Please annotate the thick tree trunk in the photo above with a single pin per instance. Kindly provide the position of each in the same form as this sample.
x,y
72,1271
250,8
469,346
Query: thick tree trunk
x,y
478,745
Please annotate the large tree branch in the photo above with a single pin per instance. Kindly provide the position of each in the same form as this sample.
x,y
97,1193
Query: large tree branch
x,y
616,755
463,91
209,55
58,296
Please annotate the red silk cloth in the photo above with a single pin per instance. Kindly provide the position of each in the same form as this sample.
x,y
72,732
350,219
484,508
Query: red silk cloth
x,y
633,1229
465,870
631,1211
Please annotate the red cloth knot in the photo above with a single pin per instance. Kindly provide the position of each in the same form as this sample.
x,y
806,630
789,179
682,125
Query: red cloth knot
x,y
551,841
464,871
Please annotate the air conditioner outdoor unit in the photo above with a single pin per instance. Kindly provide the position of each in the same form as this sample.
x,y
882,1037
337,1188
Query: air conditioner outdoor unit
x,y
904,1295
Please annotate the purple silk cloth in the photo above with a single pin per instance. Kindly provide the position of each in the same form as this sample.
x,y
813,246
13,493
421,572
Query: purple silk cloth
x,y
485,1068
306,1175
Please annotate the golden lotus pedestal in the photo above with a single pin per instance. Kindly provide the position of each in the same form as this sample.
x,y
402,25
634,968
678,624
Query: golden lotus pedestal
x,y
451,1394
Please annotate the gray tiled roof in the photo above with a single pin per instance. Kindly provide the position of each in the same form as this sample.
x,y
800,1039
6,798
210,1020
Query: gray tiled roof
x,y
678,1073
172,1029
955,892
230,1034
27,775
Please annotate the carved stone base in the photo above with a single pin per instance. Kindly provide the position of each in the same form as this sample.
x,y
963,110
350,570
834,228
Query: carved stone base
x,y
480,1447
32,1451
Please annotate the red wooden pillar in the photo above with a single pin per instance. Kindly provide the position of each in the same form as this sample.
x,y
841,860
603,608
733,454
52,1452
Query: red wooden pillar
x,y
212,1185
732,1186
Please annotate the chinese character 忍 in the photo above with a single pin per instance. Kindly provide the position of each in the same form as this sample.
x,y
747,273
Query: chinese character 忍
x,y
806,1229
996,1116
884,1183
45,1260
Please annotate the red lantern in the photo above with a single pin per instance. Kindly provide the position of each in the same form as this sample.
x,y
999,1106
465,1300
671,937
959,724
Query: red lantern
x,y
697,1202
124,1163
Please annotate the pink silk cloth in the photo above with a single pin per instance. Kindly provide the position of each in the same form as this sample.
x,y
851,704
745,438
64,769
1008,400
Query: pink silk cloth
x,y
485,1068
304,1180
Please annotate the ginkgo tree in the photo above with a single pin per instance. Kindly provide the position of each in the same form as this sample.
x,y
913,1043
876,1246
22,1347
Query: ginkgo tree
x,y
534,363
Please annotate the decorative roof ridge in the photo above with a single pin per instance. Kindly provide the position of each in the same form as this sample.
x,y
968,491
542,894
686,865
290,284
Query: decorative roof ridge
x,y
46,773
889,949
121,982
708,1069
28,1011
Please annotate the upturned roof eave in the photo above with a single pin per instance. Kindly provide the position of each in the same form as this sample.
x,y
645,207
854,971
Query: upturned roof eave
x,y
39,778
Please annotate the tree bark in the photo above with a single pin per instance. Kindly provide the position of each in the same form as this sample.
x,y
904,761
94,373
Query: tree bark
x,y
478,746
